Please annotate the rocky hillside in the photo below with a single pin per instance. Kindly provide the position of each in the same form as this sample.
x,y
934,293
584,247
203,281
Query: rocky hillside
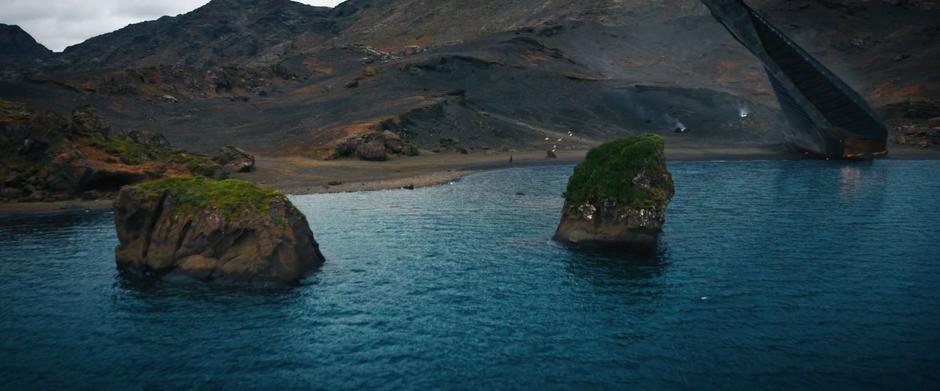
x,y
222,32
48,157
276,76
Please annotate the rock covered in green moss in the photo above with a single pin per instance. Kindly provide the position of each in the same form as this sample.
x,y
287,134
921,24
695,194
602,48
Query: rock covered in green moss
x,y
618,194
212,230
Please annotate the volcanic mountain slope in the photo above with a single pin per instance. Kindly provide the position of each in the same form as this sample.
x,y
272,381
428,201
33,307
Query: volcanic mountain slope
x,y
275,76
223,32
20,51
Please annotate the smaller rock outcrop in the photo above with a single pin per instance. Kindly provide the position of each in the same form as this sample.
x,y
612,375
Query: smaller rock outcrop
x,y
373,151
618,195
235,159
915,123
212,230
370,146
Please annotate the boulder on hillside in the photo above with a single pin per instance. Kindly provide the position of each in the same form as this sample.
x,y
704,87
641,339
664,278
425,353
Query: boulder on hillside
x,y
393,142
371,146
211,229
373,151
618,195
85,119
149,138
235,159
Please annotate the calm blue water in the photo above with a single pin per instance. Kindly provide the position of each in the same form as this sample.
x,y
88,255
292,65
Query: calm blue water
x,y
769,275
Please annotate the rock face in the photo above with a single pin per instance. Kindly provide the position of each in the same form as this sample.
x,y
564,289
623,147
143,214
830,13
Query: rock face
x,y
212,230
618,195
915,123
369,145
372,151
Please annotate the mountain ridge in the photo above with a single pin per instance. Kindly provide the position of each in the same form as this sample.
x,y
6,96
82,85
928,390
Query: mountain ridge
x,y
448,75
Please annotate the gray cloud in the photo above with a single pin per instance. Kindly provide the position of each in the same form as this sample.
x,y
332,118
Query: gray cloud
x,y
58,24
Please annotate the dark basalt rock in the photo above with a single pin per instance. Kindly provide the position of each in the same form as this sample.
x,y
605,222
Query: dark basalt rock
x,y
371,146
86,119
212,230
618,195
235,159
372,151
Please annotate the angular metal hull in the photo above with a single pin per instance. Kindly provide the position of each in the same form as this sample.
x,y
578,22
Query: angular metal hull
x,y
828,119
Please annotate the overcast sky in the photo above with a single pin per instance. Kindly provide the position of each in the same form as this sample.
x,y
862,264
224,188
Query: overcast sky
x,y
60,23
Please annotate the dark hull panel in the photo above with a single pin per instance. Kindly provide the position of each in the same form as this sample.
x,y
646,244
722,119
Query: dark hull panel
x,y
828,118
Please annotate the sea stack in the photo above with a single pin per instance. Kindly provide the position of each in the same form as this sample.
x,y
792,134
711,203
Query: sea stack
x,y
212,229
617,196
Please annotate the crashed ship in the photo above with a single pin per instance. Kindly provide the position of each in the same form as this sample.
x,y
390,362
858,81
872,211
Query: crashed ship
x,y
828,118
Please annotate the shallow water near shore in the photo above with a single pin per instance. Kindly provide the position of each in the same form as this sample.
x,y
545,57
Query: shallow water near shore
x,y
769,274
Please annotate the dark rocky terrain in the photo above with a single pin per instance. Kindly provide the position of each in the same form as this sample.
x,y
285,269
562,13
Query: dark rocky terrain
x,y
45,156
277,77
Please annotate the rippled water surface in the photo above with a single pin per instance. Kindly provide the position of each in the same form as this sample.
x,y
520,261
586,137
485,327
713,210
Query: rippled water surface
x,y
769,275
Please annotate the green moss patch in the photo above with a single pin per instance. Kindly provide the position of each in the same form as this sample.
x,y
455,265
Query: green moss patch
x,y
13,110
192,195
133,152
608,171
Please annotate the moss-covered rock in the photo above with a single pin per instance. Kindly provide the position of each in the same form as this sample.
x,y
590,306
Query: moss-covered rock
x,y
231,196
212,229
618,194
47,157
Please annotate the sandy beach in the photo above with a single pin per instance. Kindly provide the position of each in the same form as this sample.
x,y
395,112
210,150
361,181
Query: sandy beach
x,y
304,176
296,175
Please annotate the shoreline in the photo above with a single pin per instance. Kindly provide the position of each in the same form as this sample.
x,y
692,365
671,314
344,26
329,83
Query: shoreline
x,y
297,176
300,176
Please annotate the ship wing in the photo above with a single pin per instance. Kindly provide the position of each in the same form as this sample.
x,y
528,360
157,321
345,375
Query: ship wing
x,y
813,95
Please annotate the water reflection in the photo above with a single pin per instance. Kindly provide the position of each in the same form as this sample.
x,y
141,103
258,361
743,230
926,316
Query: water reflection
x,y
867,177
614,266
148,286
14,226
